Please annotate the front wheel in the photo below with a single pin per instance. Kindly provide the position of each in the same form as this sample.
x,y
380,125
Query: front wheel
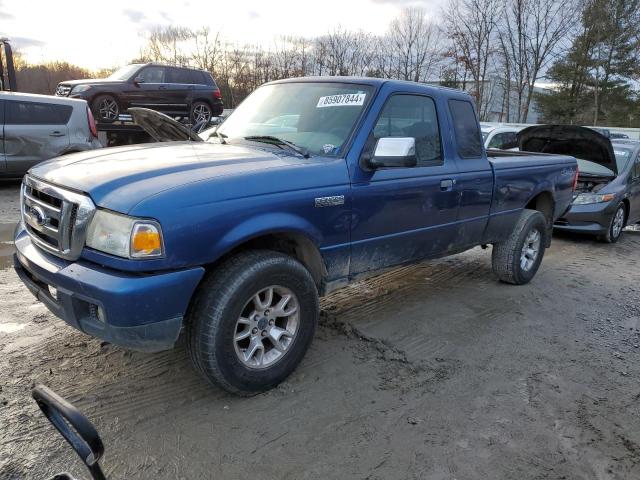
x,y
252,321
105,108
517,259
616,225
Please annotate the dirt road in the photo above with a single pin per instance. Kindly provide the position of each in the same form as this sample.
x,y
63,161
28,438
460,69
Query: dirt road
x,y
435,371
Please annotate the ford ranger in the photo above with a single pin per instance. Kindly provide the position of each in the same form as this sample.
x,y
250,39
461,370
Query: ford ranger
x,y
231,236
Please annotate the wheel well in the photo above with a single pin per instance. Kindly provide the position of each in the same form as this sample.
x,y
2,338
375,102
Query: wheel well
x,y
545,204
627,209
296,245
203,100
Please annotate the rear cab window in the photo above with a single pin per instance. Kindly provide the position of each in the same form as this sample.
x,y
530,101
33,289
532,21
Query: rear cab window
x,y
466,129
36,113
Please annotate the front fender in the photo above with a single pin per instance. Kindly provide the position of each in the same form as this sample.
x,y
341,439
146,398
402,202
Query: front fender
x,y
261,225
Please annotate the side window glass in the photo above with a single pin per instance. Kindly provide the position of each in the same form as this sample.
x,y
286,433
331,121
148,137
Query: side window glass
x,y
510,141
35,113
497,140
197,78
153,75
177,75
466,129
412,116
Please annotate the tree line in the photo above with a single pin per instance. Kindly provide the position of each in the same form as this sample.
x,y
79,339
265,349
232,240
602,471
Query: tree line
x,y
498,50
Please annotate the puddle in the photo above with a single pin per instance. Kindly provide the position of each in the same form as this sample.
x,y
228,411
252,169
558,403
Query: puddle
x,y
11,327
6,244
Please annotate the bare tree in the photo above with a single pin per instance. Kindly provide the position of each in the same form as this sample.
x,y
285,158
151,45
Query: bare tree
x,y
415,45
548,24
471,26
167,44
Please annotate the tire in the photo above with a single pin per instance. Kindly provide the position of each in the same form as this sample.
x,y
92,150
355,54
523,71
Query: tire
x,y
105,108
222,311
615,229
200,111
509,260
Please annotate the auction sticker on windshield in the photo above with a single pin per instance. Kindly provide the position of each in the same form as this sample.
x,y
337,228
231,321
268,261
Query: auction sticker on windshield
x,y
341,100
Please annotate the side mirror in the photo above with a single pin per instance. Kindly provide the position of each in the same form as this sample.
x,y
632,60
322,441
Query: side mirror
x,y
394,152
73,426
138,80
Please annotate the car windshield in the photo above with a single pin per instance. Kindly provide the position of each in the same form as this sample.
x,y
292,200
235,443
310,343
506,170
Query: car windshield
x,y
317,117
592,168
123,73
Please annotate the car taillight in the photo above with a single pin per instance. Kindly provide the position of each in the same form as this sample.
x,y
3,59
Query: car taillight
x,y
217,94
92,123
575,180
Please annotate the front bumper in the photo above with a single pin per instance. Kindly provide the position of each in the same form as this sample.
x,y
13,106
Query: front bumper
x,y
141,312
594,218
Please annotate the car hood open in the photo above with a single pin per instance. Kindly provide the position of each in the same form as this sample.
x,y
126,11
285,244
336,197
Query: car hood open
x,y
579,142
161,127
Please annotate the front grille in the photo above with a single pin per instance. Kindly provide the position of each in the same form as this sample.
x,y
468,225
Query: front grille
x,y
55,218
63,90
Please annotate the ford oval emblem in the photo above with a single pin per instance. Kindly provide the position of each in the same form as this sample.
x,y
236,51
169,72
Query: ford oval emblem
x,y
38,215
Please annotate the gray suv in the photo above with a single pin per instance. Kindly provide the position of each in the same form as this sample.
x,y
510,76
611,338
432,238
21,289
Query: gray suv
x,y
34,128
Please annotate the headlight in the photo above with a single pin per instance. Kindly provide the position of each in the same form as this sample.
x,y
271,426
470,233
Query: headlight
x,y
587,198
80,88
125,236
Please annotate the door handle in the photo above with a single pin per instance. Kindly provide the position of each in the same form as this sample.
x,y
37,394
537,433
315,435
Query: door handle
x,y
56,134
162,87
446,185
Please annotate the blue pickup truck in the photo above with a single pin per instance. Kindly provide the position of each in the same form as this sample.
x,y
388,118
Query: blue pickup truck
x,y
232,235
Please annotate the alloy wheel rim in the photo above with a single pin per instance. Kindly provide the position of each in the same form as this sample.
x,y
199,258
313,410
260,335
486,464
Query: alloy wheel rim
x,y
530,250
201,113
267,327
108,109
618,222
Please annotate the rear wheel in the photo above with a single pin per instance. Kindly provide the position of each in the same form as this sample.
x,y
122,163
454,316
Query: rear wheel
x,y
517,259
252,321
105,108
200,112
616,225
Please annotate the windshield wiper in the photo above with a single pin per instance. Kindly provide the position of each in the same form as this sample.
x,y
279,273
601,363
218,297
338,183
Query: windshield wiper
x,y
279,142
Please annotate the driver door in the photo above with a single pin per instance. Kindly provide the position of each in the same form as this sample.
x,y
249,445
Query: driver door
x,y
402,214
150,92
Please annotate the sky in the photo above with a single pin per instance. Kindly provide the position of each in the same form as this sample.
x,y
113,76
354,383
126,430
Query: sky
x,y
108,33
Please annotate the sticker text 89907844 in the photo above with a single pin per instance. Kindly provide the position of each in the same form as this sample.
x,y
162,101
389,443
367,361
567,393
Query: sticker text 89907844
x,y
341,100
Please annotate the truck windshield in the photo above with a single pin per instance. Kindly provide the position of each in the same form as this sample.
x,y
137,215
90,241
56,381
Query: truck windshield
x,y
317,117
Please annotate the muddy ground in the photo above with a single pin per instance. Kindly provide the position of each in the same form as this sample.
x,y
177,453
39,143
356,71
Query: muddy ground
x,y
435,371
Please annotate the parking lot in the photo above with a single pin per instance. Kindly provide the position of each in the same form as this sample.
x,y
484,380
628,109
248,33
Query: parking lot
x,y
430,371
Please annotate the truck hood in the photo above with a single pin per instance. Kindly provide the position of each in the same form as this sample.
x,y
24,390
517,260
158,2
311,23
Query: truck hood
x,y
119,178
161,127
579,142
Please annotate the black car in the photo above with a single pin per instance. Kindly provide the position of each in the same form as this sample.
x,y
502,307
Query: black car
x,y
175,91
607,194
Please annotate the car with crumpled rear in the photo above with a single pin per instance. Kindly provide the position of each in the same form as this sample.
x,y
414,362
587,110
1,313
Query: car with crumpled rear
x,y
607,194
35,128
